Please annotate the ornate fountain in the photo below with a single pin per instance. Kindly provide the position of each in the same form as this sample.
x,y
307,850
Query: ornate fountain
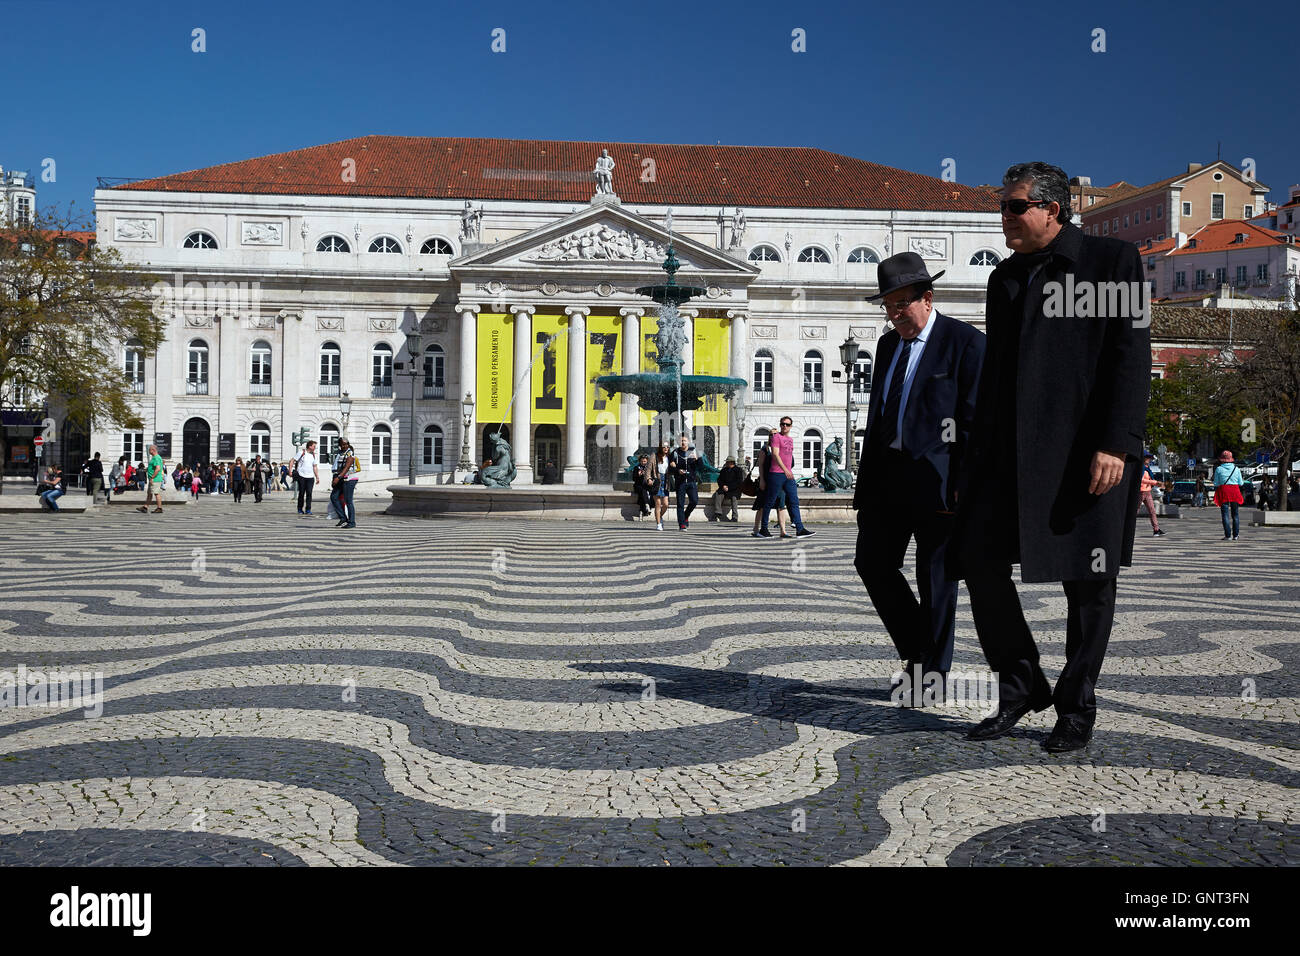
x,y
668,390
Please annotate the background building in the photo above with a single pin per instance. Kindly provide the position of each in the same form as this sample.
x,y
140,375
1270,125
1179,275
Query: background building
x,y
292,279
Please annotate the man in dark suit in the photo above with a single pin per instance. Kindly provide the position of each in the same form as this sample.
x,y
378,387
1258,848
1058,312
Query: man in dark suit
x,y
1055,455
917,426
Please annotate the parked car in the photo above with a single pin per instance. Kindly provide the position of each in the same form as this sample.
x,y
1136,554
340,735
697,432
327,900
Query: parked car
x,y
1182,494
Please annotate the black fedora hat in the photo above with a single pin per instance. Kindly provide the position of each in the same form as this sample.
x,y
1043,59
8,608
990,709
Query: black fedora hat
x,y
906,268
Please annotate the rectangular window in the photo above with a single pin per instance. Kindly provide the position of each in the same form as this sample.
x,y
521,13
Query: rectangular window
x,y
1180,280
1220,276
1115,224
1261,273
1148,213
133,446
1247,211
1105,229
381,449
1126,220
23,209
1242,275
1187,209
1160,212
1216,205
1200,278
433,449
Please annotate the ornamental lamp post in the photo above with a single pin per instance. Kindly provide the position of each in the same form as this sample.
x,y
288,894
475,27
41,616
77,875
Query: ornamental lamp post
x,y
853,430
467,411
413,350
345,410
849,358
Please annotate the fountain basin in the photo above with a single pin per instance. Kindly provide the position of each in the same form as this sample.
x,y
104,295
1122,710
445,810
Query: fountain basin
x,y
657,391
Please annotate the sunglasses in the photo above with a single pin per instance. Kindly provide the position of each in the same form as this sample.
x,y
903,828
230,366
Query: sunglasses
x,y
1018,207
902,304
787,424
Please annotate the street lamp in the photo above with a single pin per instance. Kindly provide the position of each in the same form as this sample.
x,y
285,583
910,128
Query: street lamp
x,y
413,350
849,359
853,430
345,410
467,411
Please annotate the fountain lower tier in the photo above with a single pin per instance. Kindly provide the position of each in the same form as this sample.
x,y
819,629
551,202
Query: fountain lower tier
x,y
657,391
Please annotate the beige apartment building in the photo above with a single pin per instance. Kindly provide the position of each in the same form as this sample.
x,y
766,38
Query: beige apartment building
x,y
1204,194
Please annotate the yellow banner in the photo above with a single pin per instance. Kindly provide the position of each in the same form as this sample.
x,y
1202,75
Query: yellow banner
x,y
551,369
649,354
604,357
712,357
496,349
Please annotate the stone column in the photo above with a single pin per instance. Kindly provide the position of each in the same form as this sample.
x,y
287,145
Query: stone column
x,y
575,406
229,366
629,413
292,368
688,361
521,416
738,369
465,382
166,379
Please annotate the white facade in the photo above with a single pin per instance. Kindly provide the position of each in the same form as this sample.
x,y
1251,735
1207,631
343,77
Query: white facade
x,y
265,282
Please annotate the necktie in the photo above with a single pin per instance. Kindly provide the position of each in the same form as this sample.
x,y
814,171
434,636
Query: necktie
x,y
894,400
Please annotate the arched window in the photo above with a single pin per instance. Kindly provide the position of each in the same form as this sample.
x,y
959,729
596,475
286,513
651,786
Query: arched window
x,y
812,378
435,364
864,255
436,247
814,254
761,436
259,368
859,437
259,440
385,244
331,359
812,450
200,240
433,446
381,445
70,248
862,376
761,390
196,377
985,258
764,253
381,371
133,364
333,244
329,440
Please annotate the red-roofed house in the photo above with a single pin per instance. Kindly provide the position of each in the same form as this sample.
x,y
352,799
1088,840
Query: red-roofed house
x,y
300,273
1234,259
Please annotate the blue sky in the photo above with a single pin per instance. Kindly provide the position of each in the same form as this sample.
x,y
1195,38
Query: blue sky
x,y
115,90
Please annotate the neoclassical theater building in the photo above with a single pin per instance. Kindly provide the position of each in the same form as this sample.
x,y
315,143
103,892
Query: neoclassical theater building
x,y
290,283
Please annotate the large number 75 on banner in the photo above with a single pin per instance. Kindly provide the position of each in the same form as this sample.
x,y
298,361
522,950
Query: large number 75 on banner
x,y
604,341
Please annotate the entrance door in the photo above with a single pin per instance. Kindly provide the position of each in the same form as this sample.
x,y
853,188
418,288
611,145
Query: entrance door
x,y
76,450
546,447
196,443
601,459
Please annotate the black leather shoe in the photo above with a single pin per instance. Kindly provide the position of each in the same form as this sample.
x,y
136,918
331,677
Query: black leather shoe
x,y
1001,723
1070,733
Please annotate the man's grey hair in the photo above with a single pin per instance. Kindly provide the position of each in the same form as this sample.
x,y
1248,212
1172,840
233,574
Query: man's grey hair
x,y
1046,182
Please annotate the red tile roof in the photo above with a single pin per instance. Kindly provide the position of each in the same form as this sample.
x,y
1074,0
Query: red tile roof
x,y
1219,236
560,171
1156,248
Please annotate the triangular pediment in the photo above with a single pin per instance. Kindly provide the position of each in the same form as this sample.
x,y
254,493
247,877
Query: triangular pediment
x,y
602,237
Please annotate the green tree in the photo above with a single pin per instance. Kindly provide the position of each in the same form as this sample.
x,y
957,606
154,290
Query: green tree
x,y
66,308
1270,380
1200,399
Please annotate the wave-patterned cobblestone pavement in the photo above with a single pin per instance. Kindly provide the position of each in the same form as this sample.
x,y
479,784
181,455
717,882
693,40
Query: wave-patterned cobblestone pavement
x,y
480,692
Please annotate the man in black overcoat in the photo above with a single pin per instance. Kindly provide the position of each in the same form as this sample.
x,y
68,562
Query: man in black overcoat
x,y
1055,455
917,427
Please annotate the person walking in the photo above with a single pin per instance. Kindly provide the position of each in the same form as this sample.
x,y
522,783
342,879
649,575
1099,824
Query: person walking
x,y
757,507
1149,481
308,472
912,454
685,467
1199,500
345,483
257,472
237,480
284,476
1051,476
1227,493
661,489
196,484
645,480
728,494
95,473
155,477
779,477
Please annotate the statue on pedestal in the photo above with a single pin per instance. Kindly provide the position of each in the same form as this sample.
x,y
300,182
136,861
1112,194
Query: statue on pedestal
x,y
604,174
835,478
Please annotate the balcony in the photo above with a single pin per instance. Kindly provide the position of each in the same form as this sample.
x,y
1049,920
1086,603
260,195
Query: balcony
x,y
435,391
259,388
1261,280
328,389
137,386
196,388
381,391
812,397
761,398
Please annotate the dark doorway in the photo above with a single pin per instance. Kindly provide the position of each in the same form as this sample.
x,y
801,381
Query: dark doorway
x,y
196,443
489,442
601,457
76,450
546,447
